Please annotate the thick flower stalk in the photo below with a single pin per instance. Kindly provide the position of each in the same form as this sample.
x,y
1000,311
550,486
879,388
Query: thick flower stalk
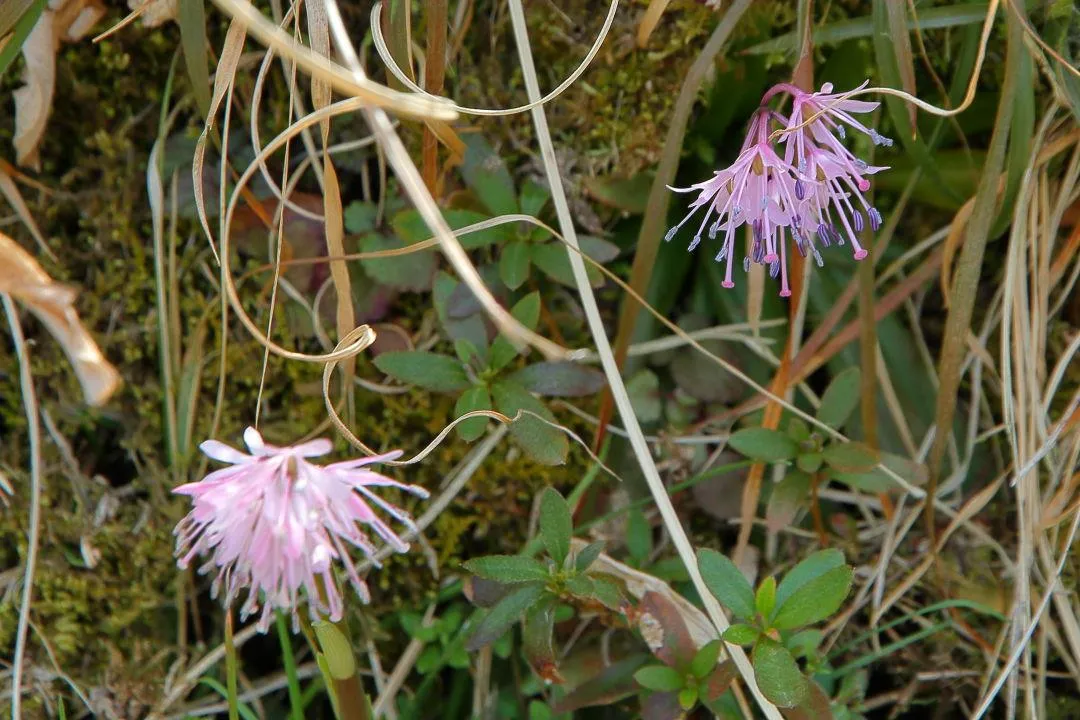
x,y
274,523
794,183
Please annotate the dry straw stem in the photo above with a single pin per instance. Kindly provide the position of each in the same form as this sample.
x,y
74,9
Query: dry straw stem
x,y
611,369
324,69
388,59
30,405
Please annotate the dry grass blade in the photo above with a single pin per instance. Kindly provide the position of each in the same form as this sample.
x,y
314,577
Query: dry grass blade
x,y
53,304
30,405
650,20
11,191
372,93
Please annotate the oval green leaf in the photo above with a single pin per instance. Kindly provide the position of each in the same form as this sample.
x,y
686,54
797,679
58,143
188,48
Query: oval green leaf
x,y
778,674
727,583
428,370
763,444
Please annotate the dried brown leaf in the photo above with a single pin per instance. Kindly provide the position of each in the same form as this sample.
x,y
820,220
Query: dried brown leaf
x,y
52,303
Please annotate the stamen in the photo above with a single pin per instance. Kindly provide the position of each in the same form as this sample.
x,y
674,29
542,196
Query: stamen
x,y
694,243
800,190
842,132
817,257
823,234
746,264
875,219
774,269
670,233
857,221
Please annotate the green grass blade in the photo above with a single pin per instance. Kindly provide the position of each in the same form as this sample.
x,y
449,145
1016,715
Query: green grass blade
x,y
191,16
242,708
296,698
19,33
833,33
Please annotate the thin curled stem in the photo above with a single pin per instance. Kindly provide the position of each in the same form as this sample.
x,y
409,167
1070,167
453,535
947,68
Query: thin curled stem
x,y
391,65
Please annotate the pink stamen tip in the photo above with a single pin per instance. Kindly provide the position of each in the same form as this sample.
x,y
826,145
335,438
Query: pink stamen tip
x,y
728,284
785,293
860,254
864,184
771,258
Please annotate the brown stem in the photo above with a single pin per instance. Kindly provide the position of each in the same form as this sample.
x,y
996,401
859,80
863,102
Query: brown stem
x,y
434,77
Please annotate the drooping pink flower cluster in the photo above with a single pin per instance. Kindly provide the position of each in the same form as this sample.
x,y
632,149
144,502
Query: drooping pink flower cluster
x,y
806,185
274,523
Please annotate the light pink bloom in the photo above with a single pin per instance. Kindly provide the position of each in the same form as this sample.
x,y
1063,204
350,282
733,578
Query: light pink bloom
x,y
812,145
274,523
815,185
758,189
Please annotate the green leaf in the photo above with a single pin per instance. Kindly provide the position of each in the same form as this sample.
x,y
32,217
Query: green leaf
x,y
514,264
644,391
809,462
816,600
606,591
850,457
534,196
639,540
581,586
467,351
763,444
588,555
439,373
741,634
536,636
542,442
20,31
191,17
507,568
688,697
875,480
815,565
659,678
559,379
527,312
486,175
629,195
804,643
553,261
410,226
778,674
788,495
475,398
408,272
860,27
726,582
705,659
556,525
840,398
360,217
765,599
504,614
798,430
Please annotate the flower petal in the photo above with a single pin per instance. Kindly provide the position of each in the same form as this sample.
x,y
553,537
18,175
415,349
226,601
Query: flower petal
x,y
217,450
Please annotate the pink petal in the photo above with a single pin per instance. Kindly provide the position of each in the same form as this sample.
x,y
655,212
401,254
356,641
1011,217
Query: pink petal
x,y
217,450
361,462
312,448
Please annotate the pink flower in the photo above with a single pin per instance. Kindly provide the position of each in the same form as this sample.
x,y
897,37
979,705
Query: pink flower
x,y
274,523
758,189
816,184
838,175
